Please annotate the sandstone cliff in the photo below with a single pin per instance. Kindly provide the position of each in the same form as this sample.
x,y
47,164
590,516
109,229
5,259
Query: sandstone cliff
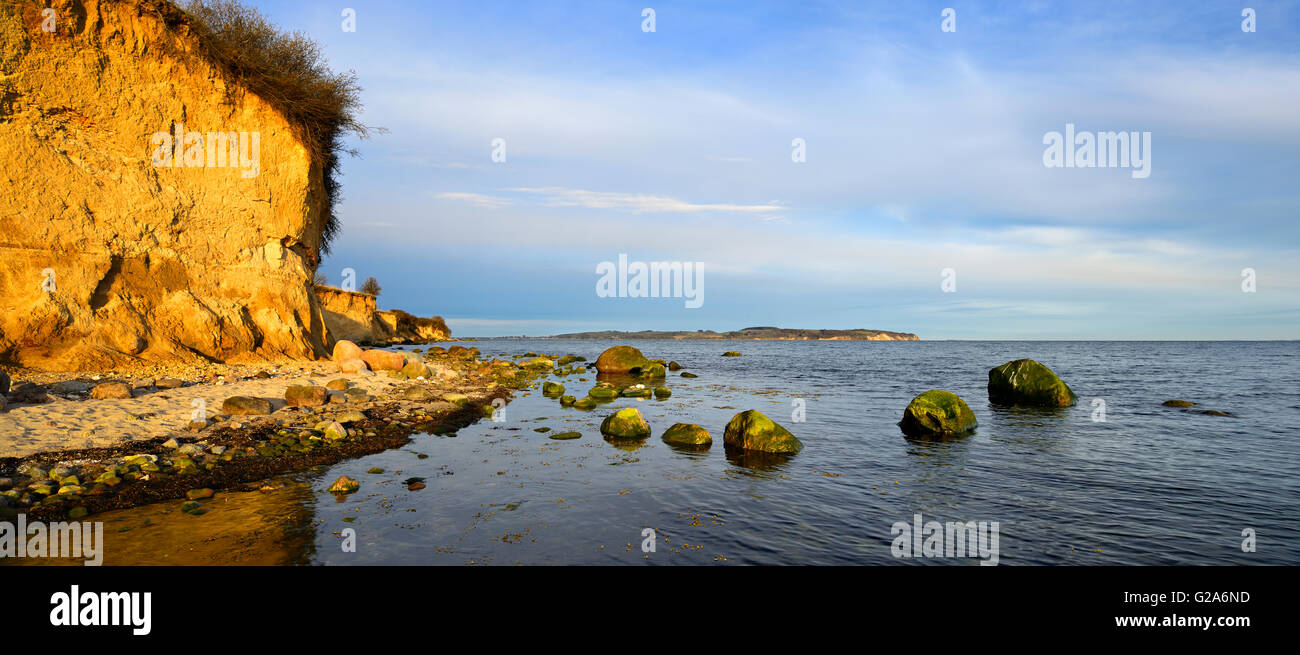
x,y
107,258
353,316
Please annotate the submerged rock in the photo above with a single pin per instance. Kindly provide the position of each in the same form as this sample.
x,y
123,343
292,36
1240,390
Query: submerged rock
x,y
687,434
937,413
637,391
603,392
1178,403
653,370
565,436
344,485
1026,382
625,424
689,375
731,353
751,430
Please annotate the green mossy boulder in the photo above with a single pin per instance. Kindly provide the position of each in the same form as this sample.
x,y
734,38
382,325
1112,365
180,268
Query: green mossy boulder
x,y
552,389
344,485
585,403
567,401
687,434
414,370
1026,382
622,359
751,430
456,398
625,424
689,375
565,436
637,392
653,371
663,392
937,413
603,393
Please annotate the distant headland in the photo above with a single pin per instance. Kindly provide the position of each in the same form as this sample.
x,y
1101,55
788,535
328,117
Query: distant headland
x,y
749,333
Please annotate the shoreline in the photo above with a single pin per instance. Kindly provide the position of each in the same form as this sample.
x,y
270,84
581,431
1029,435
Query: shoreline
x,y
233,450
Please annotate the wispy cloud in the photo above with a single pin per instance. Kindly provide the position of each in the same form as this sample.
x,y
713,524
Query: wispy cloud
x,y
476,199
640,203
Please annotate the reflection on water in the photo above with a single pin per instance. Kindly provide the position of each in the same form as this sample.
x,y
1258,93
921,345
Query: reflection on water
x,y
244,528
758,462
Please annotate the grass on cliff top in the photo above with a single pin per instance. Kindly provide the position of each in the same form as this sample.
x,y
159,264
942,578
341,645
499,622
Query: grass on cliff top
x,y
289,71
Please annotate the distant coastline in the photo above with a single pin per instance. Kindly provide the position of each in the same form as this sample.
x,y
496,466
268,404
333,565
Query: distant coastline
x,y
746,334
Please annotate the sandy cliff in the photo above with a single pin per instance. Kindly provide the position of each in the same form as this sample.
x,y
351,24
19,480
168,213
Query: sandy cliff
x,y
107,258
354,316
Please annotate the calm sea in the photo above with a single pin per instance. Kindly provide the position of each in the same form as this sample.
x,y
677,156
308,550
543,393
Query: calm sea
x,y
1146,485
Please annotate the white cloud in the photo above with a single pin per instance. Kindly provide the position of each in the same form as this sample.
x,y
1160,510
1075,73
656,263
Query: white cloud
x,y
640,203
476,199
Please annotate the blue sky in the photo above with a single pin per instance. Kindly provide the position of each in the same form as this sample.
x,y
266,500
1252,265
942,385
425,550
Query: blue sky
x,y
924,153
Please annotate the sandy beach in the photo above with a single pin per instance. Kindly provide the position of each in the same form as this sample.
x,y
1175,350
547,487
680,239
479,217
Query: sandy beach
x,y
72,419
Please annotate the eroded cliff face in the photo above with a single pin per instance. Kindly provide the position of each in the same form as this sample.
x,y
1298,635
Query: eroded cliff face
x,y
107,258
348,314
353,316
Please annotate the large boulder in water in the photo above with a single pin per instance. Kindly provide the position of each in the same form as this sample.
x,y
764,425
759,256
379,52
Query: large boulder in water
x,y
687,434
622,359
625,424
937,413
1026,382
751,430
